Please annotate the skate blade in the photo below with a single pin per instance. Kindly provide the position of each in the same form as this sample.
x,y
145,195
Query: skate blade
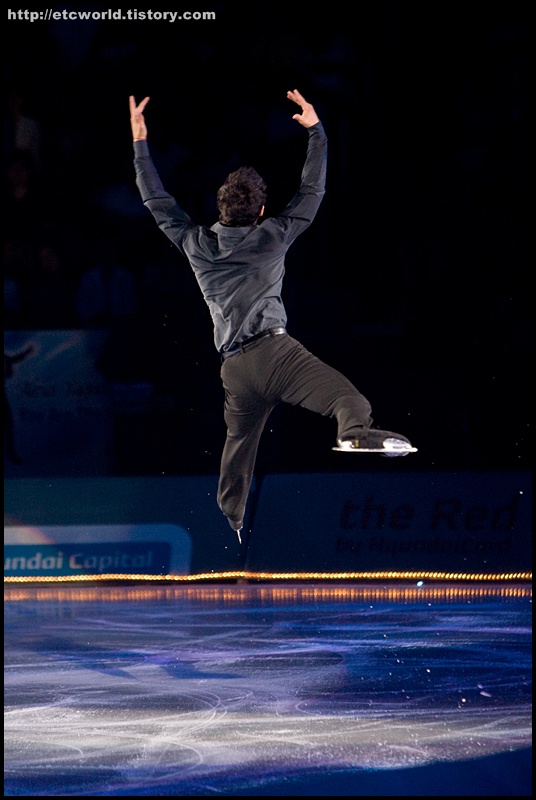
x,y
380,450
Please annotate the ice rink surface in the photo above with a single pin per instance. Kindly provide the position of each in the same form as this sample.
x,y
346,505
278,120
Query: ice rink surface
x,y
370,689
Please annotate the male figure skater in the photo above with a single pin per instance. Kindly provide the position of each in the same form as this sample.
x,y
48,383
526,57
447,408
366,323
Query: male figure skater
x,y
239,263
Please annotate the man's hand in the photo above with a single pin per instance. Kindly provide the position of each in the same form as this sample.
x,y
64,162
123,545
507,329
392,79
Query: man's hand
x,y
308,115
137,121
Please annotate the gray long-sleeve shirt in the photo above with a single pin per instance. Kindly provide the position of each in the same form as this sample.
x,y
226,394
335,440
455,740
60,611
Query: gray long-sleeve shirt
x,y
239,269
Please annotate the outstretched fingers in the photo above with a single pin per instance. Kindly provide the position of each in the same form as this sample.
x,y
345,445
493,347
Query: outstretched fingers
x,y
137,109
296,97
308,115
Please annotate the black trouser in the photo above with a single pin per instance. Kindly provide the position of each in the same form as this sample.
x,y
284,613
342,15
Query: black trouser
x,y
276,369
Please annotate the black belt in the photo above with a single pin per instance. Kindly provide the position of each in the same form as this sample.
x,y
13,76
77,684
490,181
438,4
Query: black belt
x,y
240,347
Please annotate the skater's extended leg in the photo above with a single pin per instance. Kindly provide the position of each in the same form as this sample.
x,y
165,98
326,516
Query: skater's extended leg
x,y
245,416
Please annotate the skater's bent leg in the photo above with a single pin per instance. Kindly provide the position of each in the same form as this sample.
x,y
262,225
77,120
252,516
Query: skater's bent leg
x,y
321,388
352,412
318,387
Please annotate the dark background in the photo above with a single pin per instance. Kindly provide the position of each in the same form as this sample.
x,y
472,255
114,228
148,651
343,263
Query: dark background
x,y
414,278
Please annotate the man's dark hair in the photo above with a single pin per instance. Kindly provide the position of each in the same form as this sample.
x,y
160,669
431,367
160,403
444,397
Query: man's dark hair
x,y
241,197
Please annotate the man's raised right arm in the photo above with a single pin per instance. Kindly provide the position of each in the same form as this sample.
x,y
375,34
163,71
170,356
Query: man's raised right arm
x,y
313,177
303,207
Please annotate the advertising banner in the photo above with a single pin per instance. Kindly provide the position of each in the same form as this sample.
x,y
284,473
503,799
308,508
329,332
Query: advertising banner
x,y
79,527
454,522
467,523
57,407
82,550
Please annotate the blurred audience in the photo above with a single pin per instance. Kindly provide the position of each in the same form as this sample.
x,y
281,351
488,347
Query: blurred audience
x,y
49,300
21,131
24,200
18,272
107,292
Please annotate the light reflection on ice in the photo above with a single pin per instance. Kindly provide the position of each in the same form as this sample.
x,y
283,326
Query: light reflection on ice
x,y
141,694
